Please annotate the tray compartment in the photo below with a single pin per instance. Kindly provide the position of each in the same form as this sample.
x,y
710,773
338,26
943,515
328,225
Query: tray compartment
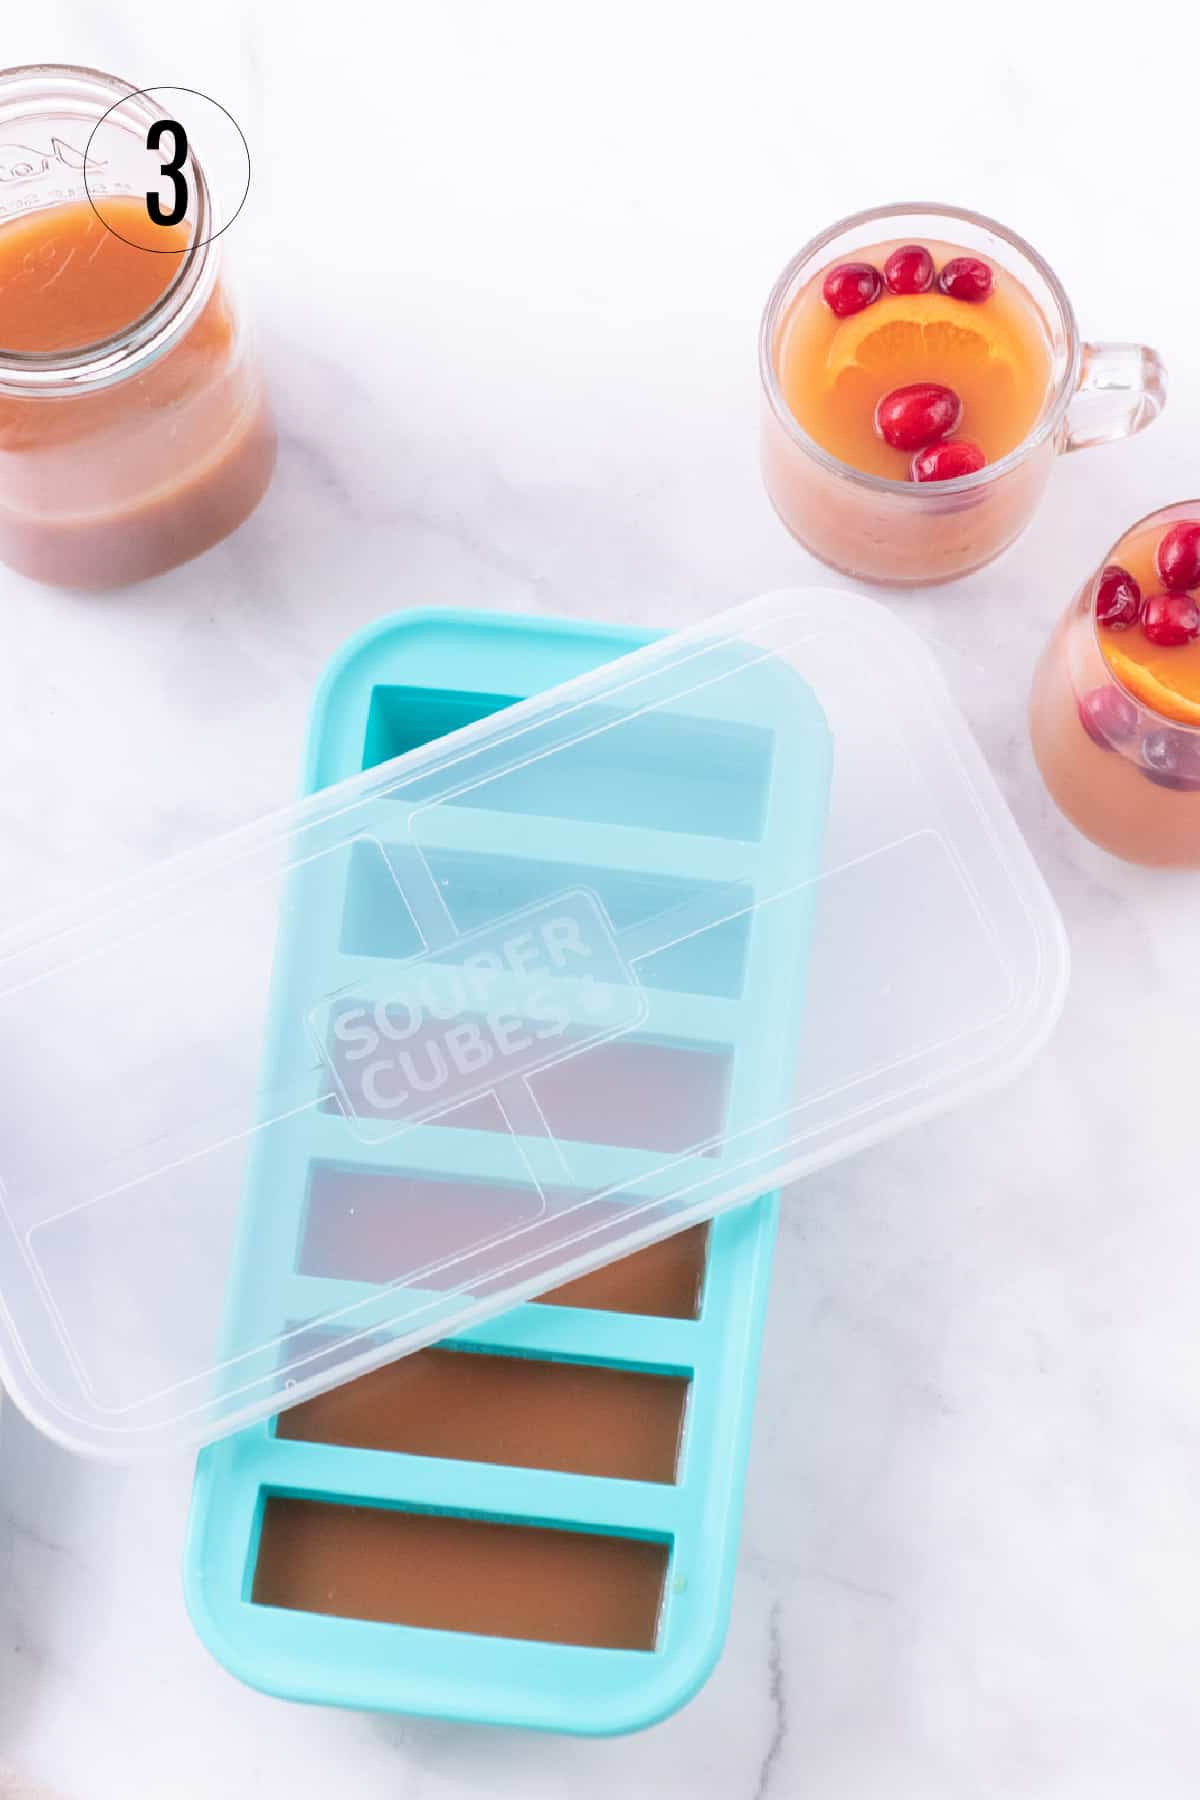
x,y
637,770
446,1572
356,1220
522,1411
631,1093
478,889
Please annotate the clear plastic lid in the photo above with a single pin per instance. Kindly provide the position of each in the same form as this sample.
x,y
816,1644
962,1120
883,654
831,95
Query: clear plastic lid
x,y
506,1008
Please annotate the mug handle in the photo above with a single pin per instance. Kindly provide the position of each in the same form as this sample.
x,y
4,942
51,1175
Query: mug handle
x,y
1133,372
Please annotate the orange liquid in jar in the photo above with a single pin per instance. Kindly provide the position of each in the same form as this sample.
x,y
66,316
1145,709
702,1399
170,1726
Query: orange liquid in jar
x,y
994,353
66,281
119,482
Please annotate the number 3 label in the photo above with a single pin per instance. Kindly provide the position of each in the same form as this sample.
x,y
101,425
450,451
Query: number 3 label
x,y
172,168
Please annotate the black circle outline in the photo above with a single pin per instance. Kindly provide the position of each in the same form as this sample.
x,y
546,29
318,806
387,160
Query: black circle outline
x,y
134,94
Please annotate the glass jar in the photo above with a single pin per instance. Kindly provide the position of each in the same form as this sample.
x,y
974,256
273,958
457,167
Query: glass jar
x,y
123,456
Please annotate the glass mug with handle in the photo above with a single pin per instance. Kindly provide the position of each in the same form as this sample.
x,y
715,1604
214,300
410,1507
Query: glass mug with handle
x,y
1115,708
893,528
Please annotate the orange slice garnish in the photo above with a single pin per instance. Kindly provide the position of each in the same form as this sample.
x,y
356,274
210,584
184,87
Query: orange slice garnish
x,y
1162,679
921,337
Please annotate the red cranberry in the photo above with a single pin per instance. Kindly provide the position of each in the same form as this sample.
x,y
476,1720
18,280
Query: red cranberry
x,y
851,287
1108,716
1118,599
1169,619
1171,759
909,270
1178,557
946,462
966,278
911,417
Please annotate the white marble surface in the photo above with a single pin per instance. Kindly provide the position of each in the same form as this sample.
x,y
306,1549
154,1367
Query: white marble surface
x,y
508,262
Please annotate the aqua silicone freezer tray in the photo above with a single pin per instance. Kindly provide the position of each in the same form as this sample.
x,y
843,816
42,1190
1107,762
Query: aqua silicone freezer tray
x,y
430,668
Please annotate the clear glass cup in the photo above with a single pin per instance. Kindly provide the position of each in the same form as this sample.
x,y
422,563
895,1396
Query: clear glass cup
x,y
131,454
1125,775
908,533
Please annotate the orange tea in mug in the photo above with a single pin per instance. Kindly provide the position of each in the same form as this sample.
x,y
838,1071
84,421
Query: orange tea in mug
x,y
1115,716
918,366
